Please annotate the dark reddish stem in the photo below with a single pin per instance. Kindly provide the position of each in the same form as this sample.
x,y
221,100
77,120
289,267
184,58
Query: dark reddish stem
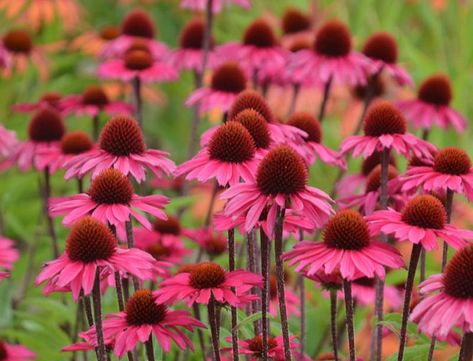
x,y
265,265
95,126
149,348
295,95
96,297
302,306
46,197
278,238
349,318
333,322
466,350
119,291
131,243
136,84
208,217
200,334
231,265
326,95
214,328
415,254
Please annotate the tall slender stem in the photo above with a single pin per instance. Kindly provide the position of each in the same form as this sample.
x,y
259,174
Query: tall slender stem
x,y
195,121
295,95
416,250
95,126
213,197
278,230
265,261
213,329
251,267
119,291
466,350
231,266
333,322
377,343
302,305
425,136
136,85
96,297
448,209
46,196
207,41
323,105
149,348
131,243
349,318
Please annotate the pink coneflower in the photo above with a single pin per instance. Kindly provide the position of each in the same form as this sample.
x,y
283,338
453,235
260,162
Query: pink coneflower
x,y
206,281
447,298
136,27
382,49
91,246
292,301
49,99
45,131
189,55
212,243
313,149
450,170
110,199
9,352
385,128
369,199
432,106
72,144
255,108
217,5
258,51
331,58
121,146
228,80
353,183
281,181
17,51
141,319
137,63
8,142
8,256
422,221
295,22
347,246
229,156
93,101
253,347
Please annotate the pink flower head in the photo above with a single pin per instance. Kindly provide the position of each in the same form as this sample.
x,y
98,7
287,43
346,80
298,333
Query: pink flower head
x,y
137,62
8,256
110,199
253,347
312,148
228,80
432,106
382,49
448,298
369,200
190,54
281,181
164,241
136,27
45,131
8,142
258,52
72,144
422,220
253,112
229,157
11,352
121,146
143,318
217,5
450,170
93,101
347,247
206,280
385,128
91,246
50,99
330,59
212,243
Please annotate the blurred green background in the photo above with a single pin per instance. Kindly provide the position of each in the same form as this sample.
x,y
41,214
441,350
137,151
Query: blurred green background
x,y
432,36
